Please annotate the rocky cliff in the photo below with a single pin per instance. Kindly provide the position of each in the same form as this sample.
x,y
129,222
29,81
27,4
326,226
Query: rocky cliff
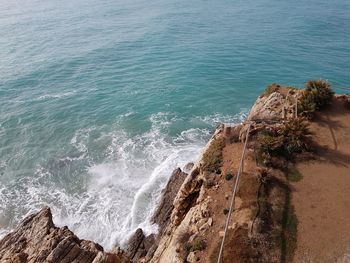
x,y
37,240
190,214
193,210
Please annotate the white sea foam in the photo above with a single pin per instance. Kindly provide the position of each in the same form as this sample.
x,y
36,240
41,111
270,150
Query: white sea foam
x,y
124,189
56,95
118,189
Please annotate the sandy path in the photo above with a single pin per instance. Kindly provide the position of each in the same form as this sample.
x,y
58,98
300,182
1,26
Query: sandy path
x,y
322,198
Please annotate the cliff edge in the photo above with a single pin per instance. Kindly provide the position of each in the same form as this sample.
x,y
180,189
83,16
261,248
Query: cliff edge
x,y
37,240
287,143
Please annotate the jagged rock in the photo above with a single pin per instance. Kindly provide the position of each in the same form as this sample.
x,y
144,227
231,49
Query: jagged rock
x,y
149,241
193,237
37,240
204,227
267,108
135,242
187,196
166,206
192,257
188,167
146,248
150,245
210,221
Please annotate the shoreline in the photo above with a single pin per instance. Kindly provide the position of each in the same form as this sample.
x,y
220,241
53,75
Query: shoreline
x,y
192,208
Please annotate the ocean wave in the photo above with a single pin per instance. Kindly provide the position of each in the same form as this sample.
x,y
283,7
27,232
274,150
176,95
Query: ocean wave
x,y
119,183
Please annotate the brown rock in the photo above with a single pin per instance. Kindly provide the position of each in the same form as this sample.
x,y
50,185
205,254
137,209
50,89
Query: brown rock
x,y
192,257
37,240
165,208
267,108
149,241
187,196
188,167
135,242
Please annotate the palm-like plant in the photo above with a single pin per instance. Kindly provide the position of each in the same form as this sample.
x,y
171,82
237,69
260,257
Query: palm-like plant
x,y
296,134
316,95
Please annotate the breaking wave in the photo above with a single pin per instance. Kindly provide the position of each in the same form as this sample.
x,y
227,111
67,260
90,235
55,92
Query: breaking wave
x,y
110,183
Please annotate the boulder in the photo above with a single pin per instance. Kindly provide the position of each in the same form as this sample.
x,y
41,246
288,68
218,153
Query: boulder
x,y
267,108
192,257
37,240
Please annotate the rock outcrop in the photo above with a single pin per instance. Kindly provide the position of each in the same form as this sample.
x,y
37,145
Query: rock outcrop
x,y
191,212
162,215
267,108
140,246
189,216
280,104
37,240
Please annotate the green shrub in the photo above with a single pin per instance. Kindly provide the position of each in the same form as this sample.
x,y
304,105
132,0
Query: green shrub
x,y
306,103
291,138
225,211
212,158
316,95
196,245
228,176
296,136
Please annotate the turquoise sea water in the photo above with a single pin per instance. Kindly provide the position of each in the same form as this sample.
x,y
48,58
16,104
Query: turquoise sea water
x,y
101,100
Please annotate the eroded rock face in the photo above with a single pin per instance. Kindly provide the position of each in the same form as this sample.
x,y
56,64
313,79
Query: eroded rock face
x,y
37,240
266,108
186,196
135,242
162,215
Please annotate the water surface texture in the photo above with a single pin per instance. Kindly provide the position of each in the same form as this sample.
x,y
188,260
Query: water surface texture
x,y
101,100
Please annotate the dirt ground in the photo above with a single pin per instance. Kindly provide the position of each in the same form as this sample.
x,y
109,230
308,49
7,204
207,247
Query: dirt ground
x,y
322,197
221,195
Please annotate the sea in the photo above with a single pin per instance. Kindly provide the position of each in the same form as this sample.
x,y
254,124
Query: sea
x,y
101,100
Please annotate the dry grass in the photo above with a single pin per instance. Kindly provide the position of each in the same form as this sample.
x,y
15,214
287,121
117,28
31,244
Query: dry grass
x,y
212,158
271,89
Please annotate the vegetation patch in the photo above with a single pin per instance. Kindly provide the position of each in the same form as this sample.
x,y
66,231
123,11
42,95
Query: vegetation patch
x,y
316,95
283,141
225,211
228,176
212,158
271,89
196,245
